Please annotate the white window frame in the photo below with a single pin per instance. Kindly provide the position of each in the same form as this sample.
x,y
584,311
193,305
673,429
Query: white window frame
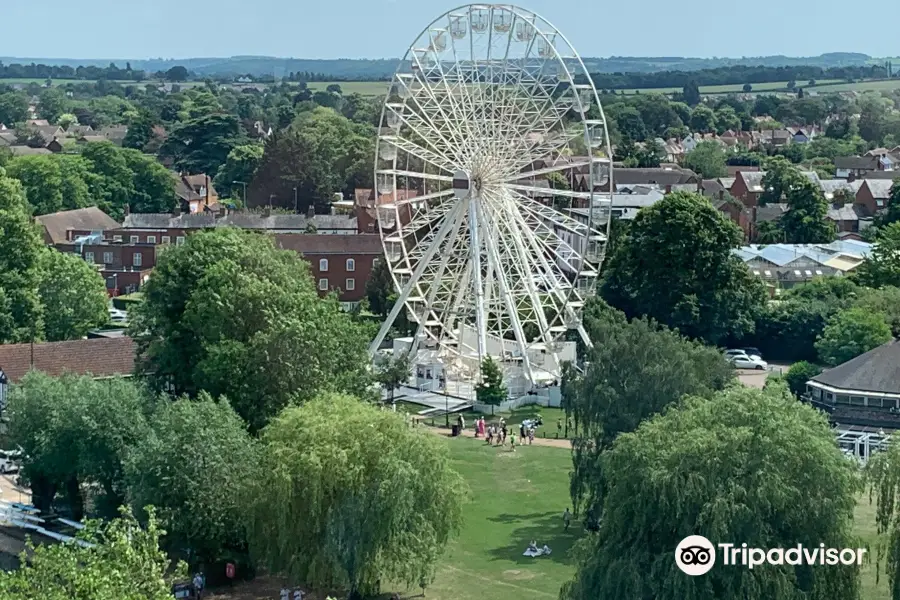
x,y
351,284
323,265
323,284
351,265
137,259
135,239
166,239
89,257
151,239
117,238
107,255
375,262
179,240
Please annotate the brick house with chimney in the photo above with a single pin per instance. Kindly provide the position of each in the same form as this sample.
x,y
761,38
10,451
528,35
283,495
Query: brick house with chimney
x,y
194,192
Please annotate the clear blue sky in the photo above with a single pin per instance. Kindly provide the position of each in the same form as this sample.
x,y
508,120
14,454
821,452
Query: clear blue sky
x,y
384,28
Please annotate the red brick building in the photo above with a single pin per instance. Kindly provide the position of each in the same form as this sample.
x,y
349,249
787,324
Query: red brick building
x,y
342,263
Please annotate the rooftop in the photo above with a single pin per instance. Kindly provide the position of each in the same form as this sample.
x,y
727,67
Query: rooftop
x,y
330,244
103,357
82,219
877,371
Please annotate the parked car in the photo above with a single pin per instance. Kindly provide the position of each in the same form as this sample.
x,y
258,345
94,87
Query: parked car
x,y
752,352
117,316
744,361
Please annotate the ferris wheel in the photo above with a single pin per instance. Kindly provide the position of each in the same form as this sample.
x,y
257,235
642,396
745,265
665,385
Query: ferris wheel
x,y
491,150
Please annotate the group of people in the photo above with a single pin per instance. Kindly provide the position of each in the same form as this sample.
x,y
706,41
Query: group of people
x,y
495,434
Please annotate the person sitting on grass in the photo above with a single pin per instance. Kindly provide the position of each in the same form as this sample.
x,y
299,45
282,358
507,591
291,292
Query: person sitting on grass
x,y
532,547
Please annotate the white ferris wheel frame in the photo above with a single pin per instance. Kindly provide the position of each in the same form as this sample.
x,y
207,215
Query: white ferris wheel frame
x,y
536,222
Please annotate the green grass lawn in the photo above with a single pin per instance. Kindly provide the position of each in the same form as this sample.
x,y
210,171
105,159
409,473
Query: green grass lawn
x,y
861,86
516,497
733,88
864,524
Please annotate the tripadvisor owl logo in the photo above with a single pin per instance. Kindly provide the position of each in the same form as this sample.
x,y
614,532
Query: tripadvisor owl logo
x,y
695,555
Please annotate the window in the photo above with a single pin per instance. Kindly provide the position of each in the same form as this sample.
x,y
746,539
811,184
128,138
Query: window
x,y
323,264
809,273
107,258
351,264
351,285
375,262
138,259
879,203
117,238
89,257
323,284
179,240
151,239
798,274
166,239
135,239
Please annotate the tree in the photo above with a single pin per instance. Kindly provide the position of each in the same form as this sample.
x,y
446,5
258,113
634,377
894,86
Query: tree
x,y
114,185
273,341
379,499
703,119
707,159
67,120
727,119
691,93
13,108
202,145
882,267
676,266
76,432
122,560
490,390
881,477
799,374
194,466
379,288
768,232
140,131
52,103
73,296
780,177
850,333
42,180
241,165
392,373
177,73
153,184
20,248
805,222
747,88
635,370
742,465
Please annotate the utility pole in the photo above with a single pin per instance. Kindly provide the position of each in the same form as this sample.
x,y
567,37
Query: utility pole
x,y
295,200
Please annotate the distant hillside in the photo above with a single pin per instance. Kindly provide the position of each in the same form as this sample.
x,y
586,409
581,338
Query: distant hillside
x,y
370,69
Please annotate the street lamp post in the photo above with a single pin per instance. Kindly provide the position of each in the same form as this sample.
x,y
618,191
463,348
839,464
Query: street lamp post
x,y
244,185
4,380
296,206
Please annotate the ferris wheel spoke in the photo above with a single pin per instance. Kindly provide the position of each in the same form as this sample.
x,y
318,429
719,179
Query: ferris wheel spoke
x,y
423,122
434,104
548,170
415,175
414,149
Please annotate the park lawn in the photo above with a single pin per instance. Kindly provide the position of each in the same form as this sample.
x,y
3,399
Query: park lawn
x,y
515,497
735,88
864,526
861,86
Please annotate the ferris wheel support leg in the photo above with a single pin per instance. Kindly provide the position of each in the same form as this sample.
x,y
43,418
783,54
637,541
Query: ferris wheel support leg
x,y
475,247
400,304
507,297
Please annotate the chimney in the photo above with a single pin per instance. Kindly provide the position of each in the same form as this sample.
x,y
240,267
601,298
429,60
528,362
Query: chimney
x,y
310,212
721,194
221,212
70,233
668,188
851,177
177,211
127,209
267,212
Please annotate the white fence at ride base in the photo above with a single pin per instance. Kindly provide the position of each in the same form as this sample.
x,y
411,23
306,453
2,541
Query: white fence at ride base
x,y
549,397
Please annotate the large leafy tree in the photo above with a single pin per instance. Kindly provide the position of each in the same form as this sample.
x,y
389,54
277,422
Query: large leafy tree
x,y
883,267
201,145
491,389
850,333
676,266
153,184
780,177
799,373
707,159
193,467
73,295
42,180
272,340
122,561
20,247
241,165
322,153
739,467
76,433
379,288
113,185
379,500
52,103
13,108
635,370
805,222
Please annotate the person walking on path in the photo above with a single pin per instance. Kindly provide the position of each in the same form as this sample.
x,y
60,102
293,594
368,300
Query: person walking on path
x,y
567,518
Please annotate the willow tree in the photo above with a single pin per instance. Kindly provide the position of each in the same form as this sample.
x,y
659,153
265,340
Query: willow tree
x,y
350,496
748,466
635,370
883,477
